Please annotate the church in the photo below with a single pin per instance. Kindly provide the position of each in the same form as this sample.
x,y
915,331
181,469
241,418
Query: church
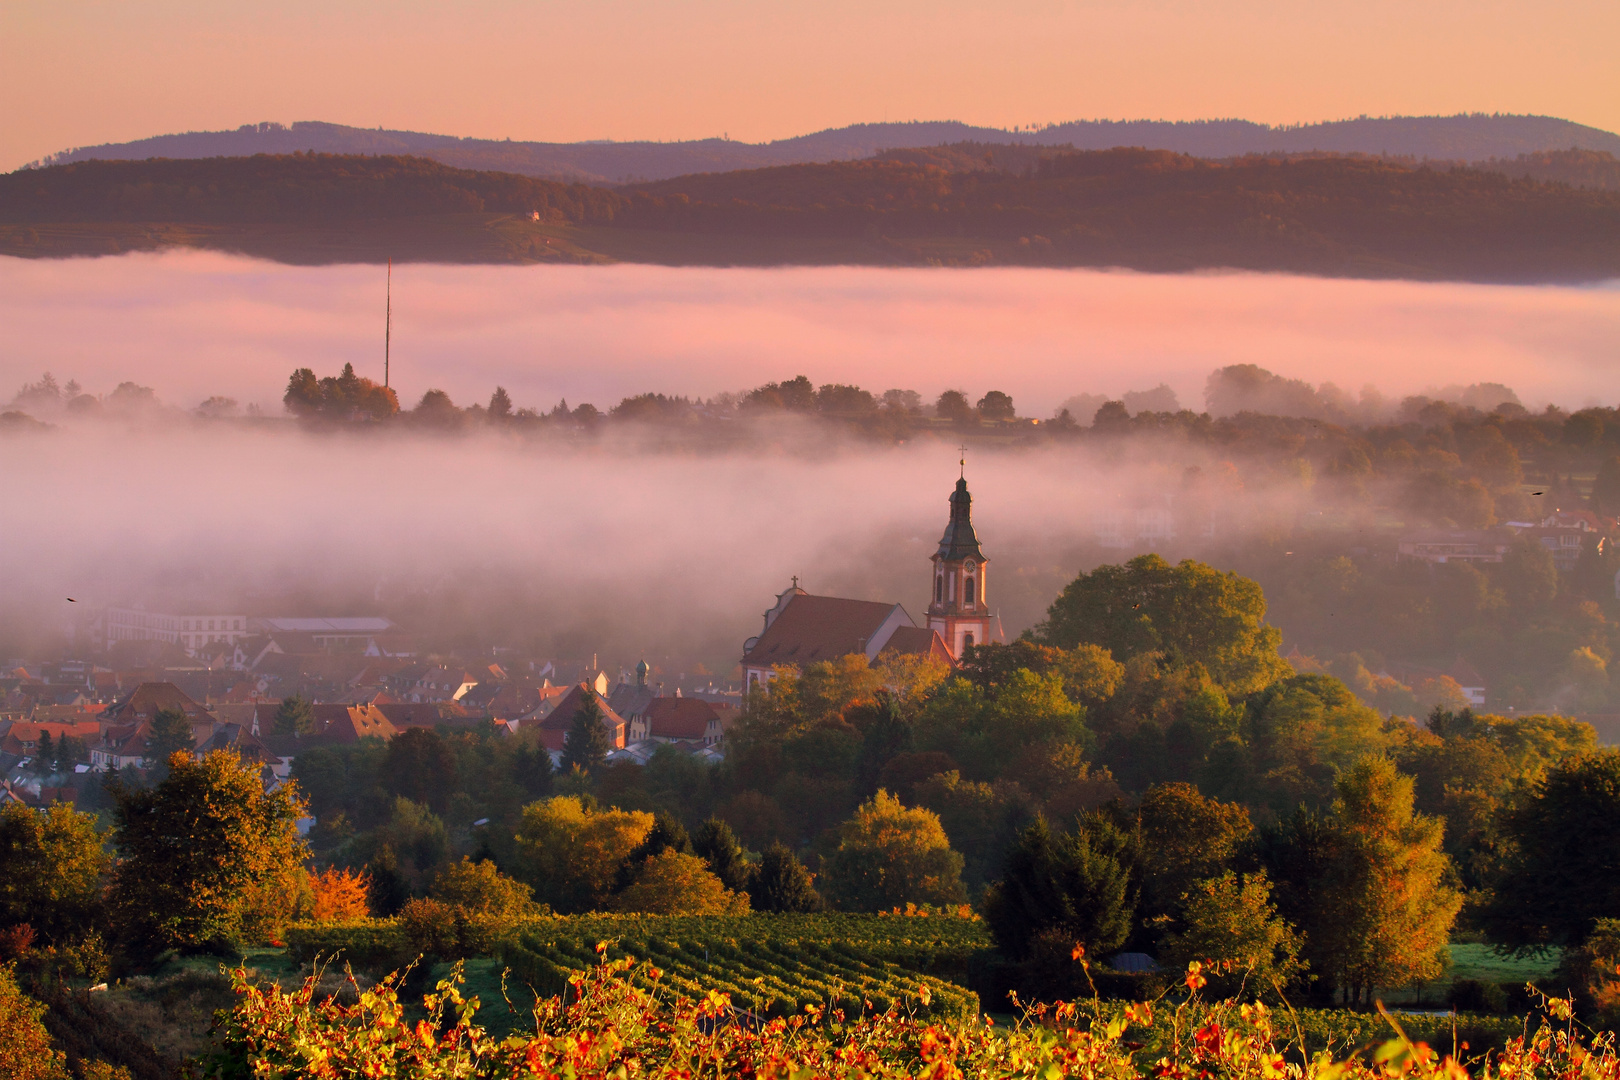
x,y
802,629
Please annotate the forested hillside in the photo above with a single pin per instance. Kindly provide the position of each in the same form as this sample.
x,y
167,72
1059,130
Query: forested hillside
x,y
1146,209
1466,137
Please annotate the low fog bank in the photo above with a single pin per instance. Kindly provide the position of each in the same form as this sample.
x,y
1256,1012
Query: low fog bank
x,y
557,551
195,325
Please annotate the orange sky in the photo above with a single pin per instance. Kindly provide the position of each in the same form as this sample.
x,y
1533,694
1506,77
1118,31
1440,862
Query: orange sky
x,y
79,72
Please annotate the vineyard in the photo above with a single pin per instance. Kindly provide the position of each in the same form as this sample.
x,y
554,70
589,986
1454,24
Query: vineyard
x,y
764,974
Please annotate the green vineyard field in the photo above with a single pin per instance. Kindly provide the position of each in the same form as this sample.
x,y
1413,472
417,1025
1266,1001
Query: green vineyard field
x,y
769,965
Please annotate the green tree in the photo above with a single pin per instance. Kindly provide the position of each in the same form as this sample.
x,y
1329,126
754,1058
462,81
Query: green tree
x,y
303,396
1561,873
169,733
192,848
953,405
1190,612
1186,838
1074,887
782,883
294,716
45,755
500,406
667,834
1387,907
886,855
54,869
996,405
716,844
419,766
1232,918
587,743
673,883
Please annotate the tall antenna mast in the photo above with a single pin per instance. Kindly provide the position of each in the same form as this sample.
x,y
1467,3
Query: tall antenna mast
x,y
388,324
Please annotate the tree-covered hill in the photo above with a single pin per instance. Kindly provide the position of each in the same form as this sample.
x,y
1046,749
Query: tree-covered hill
x,y
962,205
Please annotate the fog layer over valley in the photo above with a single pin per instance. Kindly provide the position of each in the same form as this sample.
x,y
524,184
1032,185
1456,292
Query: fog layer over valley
x,y
196,325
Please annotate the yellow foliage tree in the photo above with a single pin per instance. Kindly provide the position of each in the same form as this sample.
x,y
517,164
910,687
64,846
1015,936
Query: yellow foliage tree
x,y
671,883
571,853
888,855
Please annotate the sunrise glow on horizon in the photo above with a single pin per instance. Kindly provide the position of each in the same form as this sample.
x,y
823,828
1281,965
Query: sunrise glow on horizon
x,y
78,73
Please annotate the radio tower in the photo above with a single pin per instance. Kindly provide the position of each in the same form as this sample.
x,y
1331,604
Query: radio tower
x,y
388,322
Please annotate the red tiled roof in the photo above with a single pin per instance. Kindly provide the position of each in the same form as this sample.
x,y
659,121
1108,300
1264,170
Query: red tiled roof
x,y
920,641
554,728
679,718
811,629
149,697
351,723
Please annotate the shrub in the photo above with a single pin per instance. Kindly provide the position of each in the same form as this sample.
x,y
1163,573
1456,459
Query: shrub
x,y
25,1048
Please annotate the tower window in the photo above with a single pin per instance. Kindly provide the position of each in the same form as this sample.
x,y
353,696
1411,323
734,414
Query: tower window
x,y
967,641
939,588
969,594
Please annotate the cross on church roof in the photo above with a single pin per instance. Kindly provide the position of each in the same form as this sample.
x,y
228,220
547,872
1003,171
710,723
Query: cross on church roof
x,y
963,462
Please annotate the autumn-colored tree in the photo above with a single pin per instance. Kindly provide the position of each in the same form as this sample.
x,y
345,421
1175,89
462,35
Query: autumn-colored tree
x,y
571,854
887,855
25,1046
1387,906
479,888
54,866
193,847
340,895
673,883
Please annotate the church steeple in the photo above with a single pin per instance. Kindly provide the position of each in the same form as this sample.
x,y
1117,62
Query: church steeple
x,y
959,608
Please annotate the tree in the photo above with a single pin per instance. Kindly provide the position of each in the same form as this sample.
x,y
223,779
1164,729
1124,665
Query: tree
x,y
169,733
997,406
420,767
479,888
436,410
1387,909
25,1046
782,883
54,866
571,853
45,755
667,834
673,883
500,406
587,743
294,716
886,855
716,844
1562,872
193,847
1232,918
1073,888
1185,838
1190,612
953,406
303,396
340,895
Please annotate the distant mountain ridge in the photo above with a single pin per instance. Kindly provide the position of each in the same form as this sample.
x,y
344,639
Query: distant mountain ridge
x,y
1465,137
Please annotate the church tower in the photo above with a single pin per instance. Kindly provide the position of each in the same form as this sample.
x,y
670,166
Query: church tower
x,y
959,611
